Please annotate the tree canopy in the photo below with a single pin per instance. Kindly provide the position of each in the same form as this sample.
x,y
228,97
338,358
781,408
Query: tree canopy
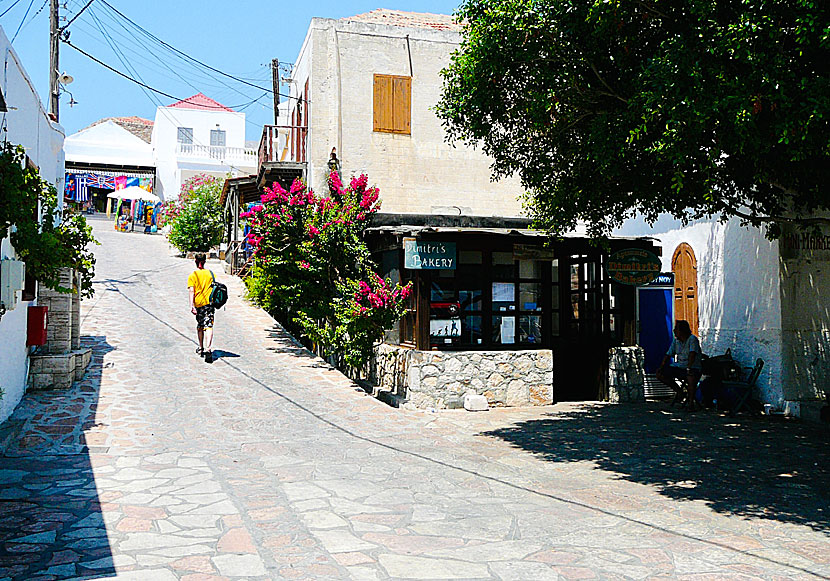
x,y
607,108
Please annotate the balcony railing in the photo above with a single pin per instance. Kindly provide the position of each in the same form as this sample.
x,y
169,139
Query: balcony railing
x,y
283,143
219,153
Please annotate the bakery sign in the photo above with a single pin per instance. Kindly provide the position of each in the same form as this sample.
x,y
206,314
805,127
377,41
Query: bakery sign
x,y
633,266
428,254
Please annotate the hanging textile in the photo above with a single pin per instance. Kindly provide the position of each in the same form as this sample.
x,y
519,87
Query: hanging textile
x,y
81,190
132,182
69,187
156,211
120,182
101,181
146,184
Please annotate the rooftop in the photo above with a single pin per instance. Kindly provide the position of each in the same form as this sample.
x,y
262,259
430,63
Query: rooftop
x,y
408,19
138,126
200,102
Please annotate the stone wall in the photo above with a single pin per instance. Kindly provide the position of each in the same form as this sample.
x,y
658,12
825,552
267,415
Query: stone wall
x,y
626,375
61,361
440,379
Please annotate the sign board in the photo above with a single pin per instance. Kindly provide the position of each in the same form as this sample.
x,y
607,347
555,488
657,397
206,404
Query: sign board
x,y
663,279
532,252
633,266
428,254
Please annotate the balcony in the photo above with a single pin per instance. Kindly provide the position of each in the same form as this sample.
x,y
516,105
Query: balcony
x,y
283,143
218,154
282,154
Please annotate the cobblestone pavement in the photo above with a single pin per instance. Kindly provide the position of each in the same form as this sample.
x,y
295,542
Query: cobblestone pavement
x,y
269,465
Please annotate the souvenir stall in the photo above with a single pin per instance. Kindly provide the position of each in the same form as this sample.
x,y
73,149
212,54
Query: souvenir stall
x,y
134,205
90,188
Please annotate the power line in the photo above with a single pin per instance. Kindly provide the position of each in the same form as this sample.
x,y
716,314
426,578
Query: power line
x,y
9,8
146,86
19,26
187,56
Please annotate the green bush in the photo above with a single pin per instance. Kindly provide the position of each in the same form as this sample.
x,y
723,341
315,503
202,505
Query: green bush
x,y
196,218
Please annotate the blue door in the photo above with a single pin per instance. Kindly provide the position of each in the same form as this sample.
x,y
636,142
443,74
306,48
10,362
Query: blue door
x,y
655,319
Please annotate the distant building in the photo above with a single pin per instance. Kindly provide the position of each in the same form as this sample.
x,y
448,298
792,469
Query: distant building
x,y
198,135
115,148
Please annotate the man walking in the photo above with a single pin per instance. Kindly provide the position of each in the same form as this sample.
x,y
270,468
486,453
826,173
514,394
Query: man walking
x,y
198,284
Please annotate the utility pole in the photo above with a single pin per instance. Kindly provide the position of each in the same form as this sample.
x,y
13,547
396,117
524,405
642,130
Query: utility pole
x,y
54,62
275,74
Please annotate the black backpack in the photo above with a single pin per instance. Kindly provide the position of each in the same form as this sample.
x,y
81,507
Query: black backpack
x,y
218,293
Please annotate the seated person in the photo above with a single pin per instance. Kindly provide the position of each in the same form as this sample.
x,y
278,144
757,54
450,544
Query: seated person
x,y
687,367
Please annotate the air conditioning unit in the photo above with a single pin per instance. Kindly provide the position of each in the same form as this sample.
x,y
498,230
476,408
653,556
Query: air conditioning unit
x,y
12,281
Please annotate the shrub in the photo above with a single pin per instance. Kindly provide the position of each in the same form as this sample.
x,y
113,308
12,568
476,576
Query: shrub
x,y
312,264
195,219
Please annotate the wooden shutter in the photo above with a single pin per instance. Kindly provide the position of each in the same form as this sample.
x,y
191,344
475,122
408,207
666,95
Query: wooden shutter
x,y
383,120
684,267
401,104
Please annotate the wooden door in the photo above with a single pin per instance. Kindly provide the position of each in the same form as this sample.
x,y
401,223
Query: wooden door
x,y
684,267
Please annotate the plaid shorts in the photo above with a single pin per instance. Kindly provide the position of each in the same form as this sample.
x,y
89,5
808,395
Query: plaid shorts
x,y
204,316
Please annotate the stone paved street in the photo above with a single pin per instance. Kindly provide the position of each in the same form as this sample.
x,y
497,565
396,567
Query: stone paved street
x,y
268,464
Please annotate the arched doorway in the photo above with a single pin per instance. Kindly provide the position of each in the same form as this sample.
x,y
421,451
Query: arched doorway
x,y
684,267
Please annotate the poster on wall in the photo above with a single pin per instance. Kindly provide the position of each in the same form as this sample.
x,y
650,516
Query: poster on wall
x,y
445,327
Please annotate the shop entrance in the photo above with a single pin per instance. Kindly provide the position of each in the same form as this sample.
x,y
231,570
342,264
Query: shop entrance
x,y
589,326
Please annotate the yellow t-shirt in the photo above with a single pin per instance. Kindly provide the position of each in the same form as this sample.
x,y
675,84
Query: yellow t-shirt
x,y
200,280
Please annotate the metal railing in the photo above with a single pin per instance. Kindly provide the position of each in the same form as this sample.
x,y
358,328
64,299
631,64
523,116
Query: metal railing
x,y
295,143
219,153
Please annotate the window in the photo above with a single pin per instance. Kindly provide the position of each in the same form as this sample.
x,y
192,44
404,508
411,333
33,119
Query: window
x,y
392,104
217,137
185,135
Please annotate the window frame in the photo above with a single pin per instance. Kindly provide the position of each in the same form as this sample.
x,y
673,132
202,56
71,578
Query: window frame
x,y
183,131
392,104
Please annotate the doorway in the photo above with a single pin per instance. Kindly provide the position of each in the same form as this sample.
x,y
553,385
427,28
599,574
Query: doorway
x,y
684,267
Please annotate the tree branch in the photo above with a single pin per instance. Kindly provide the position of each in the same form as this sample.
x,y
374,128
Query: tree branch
x,y
761,219
653,10
612,93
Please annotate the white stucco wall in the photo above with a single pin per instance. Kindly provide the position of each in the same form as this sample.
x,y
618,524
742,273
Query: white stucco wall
x,y
417,173
805,304
170,166
739,300
27,125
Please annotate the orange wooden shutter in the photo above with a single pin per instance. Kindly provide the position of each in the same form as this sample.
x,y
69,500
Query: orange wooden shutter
x,y
383,103
402,104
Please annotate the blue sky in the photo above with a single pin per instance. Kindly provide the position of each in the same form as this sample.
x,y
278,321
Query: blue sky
x,y
240,40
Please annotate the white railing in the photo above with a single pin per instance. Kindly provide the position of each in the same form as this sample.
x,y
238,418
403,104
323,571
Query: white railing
x,y
218,153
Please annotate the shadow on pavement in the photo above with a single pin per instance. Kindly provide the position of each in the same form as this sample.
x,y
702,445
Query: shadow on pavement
x,y
51,523
219,354
749,467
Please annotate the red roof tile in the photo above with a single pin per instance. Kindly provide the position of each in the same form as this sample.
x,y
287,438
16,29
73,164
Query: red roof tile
x,y
408,19
201,102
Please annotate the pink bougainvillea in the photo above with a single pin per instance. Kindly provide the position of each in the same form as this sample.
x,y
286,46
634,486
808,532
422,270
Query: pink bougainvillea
x,y
311,260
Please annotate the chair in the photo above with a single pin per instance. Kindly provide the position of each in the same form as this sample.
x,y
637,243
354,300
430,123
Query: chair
x,y
743,389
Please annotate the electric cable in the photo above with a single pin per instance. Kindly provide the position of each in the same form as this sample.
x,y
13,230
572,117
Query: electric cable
x,y
145,85
9,8
19,26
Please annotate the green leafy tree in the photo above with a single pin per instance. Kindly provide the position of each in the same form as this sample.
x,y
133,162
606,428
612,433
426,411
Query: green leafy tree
x,y
312,264
44,239
610,108
196,217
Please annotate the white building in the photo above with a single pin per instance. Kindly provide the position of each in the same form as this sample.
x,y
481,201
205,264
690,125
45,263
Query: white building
x,y
198,135
759,298
109,142
367,86
26,123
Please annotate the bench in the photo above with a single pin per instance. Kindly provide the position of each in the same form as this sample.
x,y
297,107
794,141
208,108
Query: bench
x,y
743,388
